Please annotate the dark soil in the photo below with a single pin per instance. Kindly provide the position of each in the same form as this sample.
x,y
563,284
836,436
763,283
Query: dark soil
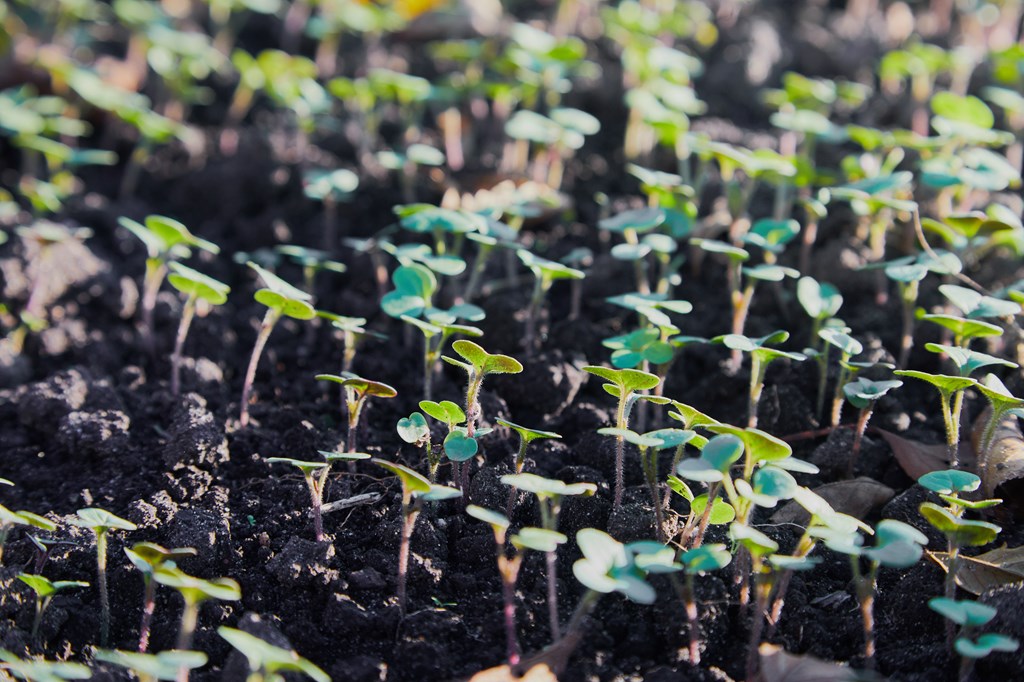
x,y
87,419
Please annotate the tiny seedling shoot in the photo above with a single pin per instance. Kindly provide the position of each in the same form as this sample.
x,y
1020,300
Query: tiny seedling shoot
x,y
194,591
197,288
165,665
267,662
281,300
415,490
45,591
101,522
478,363
760,356
148,558
863,393
357,390
970,615
315,475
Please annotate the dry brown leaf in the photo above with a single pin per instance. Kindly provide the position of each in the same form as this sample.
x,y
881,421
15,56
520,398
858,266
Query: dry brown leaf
x,y
503,673
918,459
976,574
1002,467
779,666
858,498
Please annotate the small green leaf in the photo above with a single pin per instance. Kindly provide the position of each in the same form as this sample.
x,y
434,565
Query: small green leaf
x,y
985,645
413,429
950,481
412,482
964,613
488,516
706,558
538,539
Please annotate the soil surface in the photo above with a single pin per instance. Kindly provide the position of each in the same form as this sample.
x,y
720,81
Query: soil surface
x,y
87,417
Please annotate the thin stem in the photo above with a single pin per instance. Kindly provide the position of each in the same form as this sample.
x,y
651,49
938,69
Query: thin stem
x,y
757,370
148,607
693,626
155,271
952,429
705,518
101,575
269,320
551,559
409,513
187,313
620,451
858,436
316,494
508,592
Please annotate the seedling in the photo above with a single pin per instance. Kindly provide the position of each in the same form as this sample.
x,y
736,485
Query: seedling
x,y
357,390
698,561
315,475
624,385
42,670
549,494
408,162
148,558
194,591
312,261
45,592
165,665
760,357
281,300
545,273
1001,401
415,431
415,490
330,187
948,520
196,287
478,364
862,394
439,327
537,539
897,545
353,332
847,347
9,519
631,224
970,615
821,301
526,436
950,390
166,240
269,663
101,522
449,414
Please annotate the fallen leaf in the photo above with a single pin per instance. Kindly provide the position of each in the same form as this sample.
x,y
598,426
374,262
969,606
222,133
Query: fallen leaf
x,y
976,574
918,459
1002,467
858,498
779,666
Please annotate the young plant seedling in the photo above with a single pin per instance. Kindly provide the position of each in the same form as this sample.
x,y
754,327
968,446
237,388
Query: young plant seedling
x,y
526,436
847,347
537,539
897,545
9,519
821,301
415,431
281,300
760,357
148,558
312,261
42,670
330,187
196,287
862,394
1001,401
950,390
357,390
269,663
416,489
970,615
478,363
354,332
624,385
165,665
948,520
545,273
46,590
315,475
549,494
166,240
194,591
101,522
439,326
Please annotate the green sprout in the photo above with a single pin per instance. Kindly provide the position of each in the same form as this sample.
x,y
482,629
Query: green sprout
x,y
631,224
624,385
698,561
415,490
194,591
478,363
951,391
821,301
407,162
353,333
196,287
970,615
545,273
1002,402
760,357
42,670
315,475
45,591
960,532
537,539
863,393
9,519
549,494
281,300
312,261
526,436
268,663
166,240
148,558
330,187
165,665
847,347
415,431
439,327
897,545
357,390
101,522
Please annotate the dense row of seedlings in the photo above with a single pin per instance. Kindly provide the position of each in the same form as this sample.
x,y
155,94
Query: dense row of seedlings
x,y
938,183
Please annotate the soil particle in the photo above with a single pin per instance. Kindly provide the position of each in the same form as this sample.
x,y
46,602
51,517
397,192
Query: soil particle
x,y
43,404
195,436
94,434
304,563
